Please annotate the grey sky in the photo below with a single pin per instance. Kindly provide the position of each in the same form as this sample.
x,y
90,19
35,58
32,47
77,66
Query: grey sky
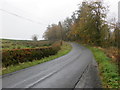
x,y
44,11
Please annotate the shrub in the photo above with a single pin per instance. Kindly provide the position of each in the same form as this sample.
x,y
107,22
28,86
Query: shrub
x,y
17,56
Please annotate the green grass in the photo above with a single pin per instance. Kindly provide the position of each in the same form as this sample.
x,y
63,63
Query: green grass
x,y
108,70
65,48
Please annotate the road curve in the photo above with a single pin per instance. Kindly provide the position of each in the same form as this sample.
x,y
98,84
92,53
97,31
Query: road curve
x,y
63,72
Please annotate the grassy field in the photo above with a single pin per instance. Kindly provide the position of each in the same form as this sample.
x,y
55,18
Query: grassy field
x,y
19,44
65,48
108,70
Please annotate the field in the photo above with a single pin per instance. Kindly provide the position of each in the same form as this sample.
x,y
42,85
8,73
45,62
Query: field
x,y
20,44
18,52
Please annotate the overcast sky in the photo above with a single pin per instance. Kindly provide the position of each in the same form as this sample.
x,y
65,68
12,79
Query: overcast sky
x,y
41,12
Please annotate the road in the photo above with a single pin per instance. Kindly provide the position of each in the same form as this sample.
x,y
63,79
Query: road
x,y
63,72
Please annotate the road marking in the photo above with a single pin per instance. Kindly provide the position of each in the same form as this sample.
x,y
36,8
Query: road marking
x,y
50,74
36,82
26,80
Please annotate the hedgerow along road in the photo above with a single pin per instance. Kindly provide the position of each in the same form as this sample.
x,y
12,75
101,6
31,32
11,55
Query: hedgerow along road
x,y
63,72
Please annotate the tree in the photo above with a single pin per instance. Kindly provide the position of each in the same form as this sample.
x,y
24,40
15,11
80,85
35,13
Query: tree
x,y
53,32
35,37
117,35
90,23
66,28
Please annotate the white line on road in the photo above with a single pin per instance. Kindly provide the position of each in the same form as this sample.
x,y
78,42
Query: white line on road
x,y
33,84
31,78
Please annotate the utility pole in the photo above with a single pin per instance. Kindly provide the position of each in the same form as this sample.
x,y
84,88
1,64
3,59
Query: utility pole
x,y
118,44
61,32
119,12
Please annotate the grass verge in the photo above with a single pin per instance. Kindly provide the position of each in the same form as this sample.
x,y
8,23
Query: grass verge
x,y
65,48
108,70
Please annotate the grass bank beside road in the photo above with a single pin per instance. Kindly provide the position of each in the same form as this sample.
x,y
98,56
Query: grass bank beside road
x,y
65,48
108,70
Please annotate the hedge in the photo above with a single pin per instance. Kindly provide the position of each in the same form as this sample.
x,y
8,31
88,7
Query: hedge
x,y
17,56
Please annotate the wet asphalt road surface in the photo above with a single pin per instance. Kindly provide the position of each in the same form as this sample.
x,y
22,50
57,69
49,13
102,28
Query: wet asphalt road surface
x,y
63,72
